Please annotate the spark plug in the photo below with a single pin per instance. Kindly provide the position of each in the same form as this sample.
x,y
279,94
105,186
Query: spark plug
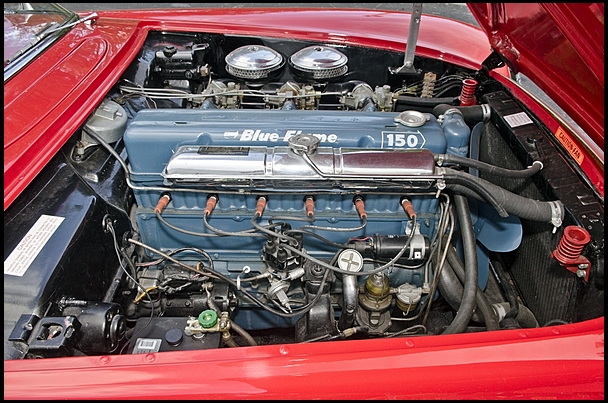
x,y
165,198
211,202
408,207
360,206
310,206
260,206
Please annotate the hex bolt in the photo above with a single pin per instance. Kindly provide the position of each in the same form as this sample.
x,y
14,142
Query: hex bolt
x,y
581,273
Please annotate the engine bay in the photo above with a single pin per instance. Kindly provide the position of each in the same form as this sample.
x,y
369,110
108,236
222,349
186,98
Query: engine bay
x,y
243,191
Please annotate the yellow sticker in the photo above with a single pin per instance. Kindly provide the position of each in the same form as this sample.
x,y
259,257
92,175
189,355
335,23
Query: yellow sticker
x,y
569,145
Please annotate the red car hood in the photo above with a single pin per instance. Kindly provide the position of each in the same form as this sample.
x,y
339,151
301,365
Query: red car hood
x,y
560,47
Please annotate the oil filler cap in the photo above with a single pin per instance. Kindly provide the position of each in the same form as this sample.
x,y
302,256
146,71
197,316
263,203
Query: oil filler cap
x,y
306,143
412,118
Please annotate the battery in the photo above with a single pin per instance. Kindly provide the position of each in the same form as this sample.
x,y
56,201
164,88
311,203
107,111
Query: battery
x,y
153,335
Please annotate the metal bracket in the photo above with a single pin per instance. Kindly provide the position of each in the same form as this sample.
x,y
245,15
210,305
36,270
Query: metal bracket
x,y
581,267
493,61
412,38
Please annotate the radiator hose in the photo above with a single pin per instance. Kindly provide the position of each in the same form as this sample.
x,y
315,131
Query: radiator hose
x,y
536,166
503,200
469,295
525,318
475,113
451,289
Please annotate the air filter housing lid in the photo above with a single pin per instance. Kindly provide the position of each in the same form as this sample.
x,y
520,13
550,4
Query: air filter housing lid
x,y
254,62
319,62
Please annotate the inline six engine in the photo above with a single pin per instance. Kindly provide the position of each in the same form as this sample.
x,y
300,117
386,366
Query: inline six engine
x,y
260,191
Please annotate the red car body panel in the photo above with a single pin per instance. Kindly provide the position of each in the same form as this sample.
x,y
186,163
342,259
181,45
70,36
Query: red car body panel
x,y
536,364
64,96
67,84
560,47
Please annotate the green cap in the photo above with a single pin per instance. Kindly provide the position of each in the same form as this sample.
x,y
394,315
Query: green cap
x,y
207,318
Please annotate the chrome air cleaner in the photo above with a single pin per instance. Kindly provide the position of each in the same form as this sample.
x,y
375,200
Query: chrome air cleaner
x,y
254,62
319,63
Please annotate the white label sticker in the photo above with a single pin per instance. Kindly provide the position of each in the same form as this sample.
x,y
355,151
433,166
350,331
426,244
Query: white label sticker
x,y
145,346
518,119
32,243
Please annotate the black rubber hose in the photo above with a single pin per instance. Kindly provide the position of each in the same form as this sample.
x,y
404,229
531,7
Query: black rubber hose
x,y
488,316
250,340
426,102
549,211
469,113
230,342
525,318
508,289
451,289
493,169
453,177
469,294
212,305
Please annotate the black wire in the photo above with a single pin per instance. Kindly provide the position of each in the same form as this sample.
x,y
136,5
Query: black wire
x,y
447,84
118,253
360,273
234,284
445,90
211,273
405,331
272,219
337,229
274,234
247,233
129,262
184,249
398,265
439,259
108,148
216,231
183,231
302,311
304,229
315,235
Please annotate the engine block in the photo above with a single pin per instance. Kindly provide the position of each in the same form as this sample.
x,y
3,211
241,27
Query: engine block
x,y
236,156
203,149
